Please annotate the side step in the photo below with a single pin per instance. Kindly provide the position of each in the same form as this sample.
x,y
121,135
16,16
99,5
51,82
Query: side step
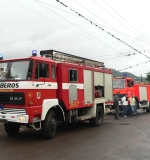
x,y
81,118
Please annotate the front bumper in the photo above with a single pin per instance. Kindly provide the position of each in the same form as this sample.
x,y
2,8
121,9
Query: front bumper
x,y
13,115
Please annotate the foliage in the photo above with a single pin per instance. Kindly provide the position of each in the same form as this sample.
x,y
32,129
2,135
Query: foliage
x,y
148,76
120,74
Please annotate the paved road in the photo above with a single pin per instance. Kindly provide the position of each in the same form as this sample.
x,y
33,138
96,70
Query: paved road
x,y
124,139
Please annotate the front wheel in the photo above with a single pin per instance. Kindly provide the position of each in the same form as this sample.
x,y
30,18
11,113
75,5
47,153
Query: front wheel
x,y
12,128
98,120
50,125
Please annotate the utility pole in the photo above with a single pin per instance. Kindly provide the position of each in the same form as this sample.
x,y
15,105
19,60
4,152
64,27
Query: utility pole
x,y
141,77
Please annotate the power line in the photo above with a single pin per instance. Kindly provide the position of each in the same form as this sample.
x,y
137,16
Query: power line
x,y
117,55
59,9
122,33
61,16
89,11
105,22
142,71
114,57
95,23
124,20
80,28
102,29
50,20
120,22
75,25
61,25
57,23
115,18
134,65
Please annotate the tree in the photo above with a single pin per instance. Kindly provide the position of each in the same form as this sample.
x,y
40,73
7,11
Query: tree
x,y
148,76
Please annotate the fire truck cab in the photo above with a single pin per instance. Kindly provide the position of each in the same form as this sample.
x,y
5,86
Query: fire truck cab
x,y
128,86
40,91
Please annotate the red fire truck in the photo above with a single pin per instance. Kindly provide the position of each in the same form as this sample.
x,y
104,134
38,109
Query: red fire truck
x,y
40,91
128,86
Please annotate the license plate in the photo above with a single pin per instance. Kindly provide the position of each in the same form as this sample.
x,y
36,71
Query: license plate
x,y
3,120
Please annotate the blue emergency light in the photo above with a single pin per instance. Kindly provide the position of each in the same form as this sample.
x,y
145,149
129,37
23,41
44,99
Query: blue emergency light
x,y
1,57
124,75
34,52
1,106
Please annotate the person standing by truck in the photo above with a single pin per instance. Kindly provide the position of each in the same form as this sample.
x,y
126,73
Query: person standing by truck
x,y
116,105
132,104
137,103
124,102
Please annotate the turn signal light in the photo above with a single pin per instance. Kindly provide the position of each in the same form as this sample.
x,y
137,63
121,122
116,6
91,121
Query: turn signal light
x,y
30,103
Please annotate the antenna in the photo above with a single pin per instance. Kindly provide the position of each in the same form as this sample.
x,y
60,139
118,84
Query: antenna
x,y
56,55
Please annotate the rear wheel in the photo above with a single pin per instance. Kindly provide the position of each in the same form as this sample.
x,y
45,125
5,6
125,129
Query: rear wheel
x,y
50,125
98,120
148,109
12,128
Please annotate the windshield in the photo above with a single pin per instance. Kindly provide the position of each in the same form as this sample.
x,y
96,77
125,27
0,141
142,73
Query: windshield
x,y
119,83
14,70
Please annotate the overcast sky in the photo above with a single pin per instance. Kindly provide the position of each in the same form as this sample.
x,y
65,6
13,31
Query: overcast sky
x,y
28,25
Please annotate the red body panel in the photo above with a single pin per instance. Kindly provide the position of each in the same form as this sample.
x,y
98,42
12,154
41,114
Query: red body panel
x,y
148,92
63,78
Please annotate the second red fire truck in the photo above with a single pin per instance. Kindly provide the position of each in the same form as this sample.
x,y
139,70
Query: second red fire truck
x,y
40,91
128,86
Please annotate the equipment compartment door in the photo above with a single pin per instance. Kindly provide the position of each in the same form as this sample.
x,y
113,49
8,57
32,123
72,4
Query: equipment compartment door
x,y
108,87
143,93
88,89
98,79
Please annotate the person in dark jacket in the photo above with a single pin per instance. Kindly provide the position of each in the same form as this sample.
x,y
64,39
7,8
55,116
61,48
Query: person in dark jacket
x,y
116,105
137,103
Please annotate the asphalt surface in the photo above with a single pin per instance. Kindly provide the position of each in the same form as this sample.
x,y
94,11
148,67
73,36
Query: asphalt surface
x,y
124,139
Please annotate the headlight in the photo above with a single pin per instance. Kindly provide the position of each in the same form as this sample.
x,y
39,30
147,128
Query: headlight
x,y
22,118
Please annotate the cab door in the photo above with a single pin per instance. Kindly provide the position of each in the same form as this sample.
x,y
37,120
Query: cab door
x,y
42,84
52,83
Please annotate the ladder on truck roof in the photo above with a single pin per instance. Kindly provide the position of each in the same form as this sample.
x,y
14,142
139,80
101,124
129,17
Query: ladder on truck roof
x,y
59,56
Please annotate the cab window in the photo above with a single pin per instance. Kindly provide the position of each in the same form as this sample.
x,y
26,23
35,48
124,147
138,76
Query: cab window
x,y
130,83
41,70
73,75
53,72
29,75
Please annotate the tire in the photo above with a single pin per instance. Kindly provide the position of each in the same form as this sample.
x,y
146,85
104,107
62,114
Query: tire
x,y
98,120
50,125
11,128
148,109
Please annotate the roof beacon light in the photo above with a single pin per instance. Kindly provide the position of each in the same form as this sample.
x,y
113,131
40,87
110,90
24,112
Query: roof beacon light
x,y
124,75
1,57
34,52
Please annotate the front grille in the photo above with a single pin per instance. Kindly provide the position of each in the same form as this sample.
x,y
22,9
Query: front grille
x,y
12,98
12,111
